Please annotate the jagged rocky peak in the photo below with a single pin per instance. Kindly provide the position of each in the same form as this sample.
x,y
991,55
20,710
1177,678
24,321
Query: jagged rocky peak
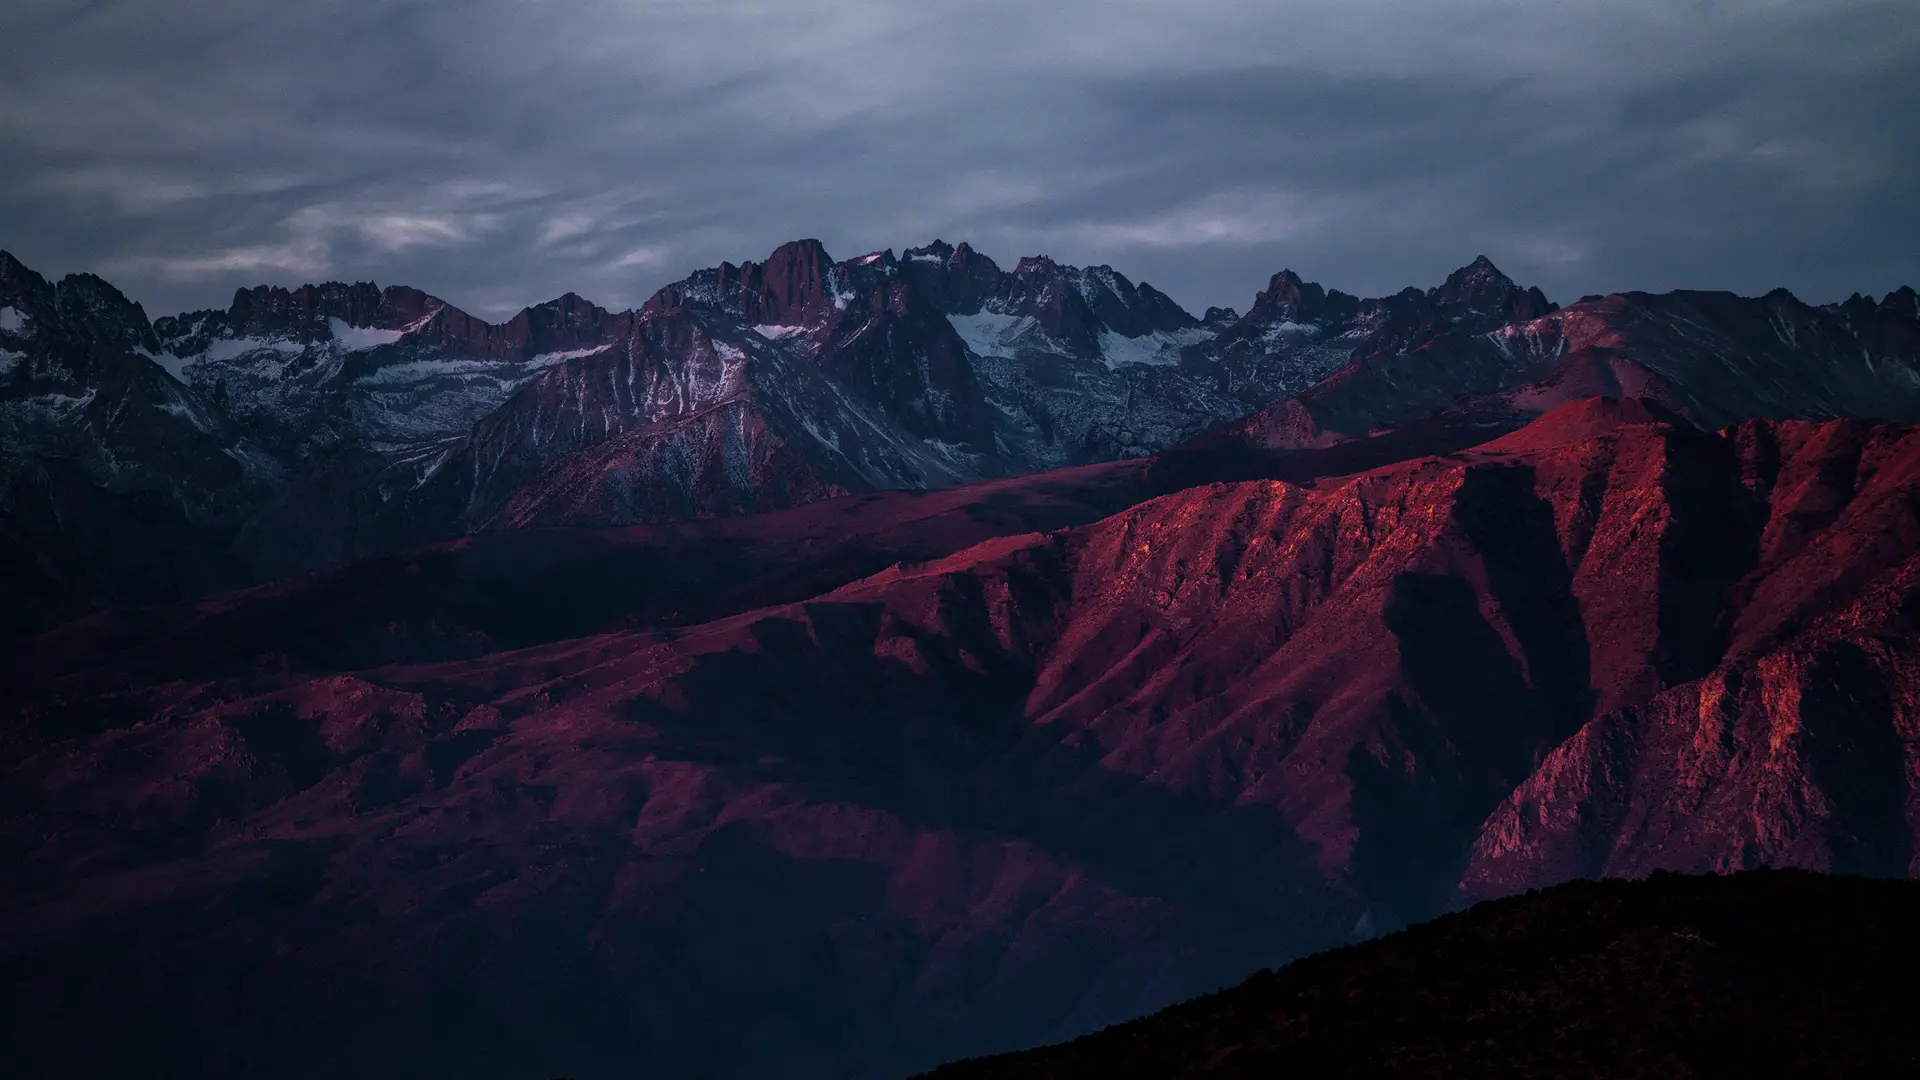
x,y
26,298
1128,309
801,285
568,306
18,282
1039,289
1901,302
79,313
882,260
1782,301
938,251
404,306
1481,288
955,280
795,278
309,314
1036,266
566,323
1289,298
792,287
965,253
93,309
1075,305
1287,295
270,311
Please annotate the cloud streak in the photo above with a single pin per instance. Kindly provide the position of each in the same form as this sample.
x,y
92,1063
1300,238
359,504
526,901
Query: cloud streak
x,y
499,152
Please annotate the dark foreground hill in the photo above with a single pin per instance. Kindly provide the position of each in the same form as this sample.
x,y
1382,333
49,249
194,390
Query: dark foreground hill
x,y
1758,974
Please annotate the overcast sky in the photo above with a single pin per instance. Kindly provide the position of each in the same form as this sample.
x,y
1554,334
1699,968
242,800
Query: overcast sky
x,y
501,152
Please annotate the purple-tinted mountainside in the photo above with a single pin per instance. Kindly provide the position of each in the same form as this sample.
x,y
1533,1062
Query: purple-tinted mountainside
x,y
831,668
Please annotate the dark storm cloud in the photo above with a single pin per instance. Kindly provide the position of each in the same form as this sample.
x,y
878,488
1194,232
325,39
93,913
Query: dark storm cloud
x,y
499,152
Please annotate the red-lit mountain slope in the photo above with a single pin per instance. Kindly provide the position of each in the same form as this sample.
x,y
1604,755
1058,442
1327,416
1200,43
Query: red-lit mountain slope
x,y
997,798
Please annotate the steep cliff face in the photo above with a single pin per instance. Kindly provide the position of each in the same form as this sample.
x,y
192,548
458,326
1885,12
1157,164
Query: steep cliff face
x,y
1799,746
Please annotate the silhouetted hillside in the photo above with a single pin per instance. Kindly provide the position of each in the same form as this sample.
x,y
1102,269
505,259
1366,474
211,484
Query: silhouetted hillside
x,y
1760,974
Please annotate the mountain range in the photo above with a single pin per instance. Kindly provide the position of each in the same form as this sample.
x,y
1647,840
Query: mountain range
x,y
837,668
301,428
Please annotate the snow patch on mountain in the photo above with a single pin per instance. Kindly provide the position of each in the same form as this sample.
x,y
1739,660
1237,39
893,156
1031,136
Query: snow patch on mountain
x,y
171,364
11,320
551,358
954,453
185,410
222,350
775,333
55,402
414,371
990,333
1286,329
354,338
1160,347
10,360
